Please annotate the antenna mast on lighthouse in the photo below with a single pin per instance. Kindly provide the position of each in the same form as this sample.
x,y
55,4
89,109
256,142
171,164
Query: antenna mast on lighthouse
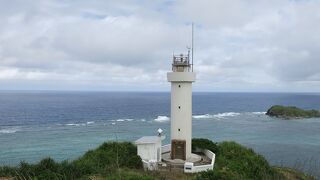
x,y
192,47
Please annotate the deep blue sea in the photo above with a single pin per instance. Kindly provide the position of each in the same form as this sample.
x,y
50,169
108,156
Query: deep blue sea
x,y
64,125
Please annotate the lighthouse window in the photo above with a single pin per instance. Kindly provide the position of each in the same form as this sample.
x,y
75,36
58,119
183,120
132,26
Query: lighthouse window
x,y
179,107
179,129
179,86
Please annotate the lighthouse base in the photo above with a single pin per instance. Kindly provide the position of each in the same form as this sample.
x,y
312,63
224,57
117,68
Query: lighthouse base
x,y
194,158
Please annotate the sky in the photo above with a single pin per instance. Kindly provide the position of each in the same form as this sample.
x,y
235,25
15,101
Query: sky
x,y
127,45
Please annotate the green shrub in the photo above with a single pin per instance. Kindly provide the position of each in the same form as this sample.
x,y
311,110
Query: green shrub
x,y
69,170
111,155
129,174
26,170
204,144
216,174
234,161
243,161
46,164
6,171
104,160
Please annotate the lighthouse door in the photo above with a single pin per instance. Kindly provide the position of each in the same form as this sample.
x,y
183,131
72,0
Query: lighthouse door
x,y
178,149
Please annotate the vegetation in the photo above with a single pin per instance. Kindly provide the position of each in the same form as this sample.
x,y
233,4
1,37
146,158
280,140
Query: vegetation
x,y
289,112
101,161
204,144
120,161
234,161
292,174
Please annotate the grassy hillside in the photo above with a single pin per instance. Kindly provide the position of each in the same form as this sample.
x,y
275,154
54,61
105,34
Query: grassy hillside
x,y
289,112
237,162
234,161
102,161
120,161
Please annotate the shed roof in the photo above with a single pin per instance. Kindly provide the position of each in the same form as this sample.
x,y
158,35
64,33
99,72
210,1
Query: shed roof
x,y
148,140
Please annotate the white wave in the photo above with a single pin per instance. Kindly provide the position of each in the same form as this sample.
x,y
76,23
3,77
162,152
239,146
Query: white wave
x,y
162,119
113,123
76,124
219,115
143,120
226,114
204,116
121,120
80,124
259,113
9,130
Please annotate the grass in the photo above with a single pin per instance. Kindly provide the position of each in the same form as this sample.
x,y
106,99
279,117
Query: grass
x,y
234,161
101,161
114,160
289,112
292,174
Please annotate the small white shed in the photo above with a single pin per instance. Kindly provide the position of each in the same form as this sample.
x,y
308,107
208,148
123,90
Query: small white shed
x,y
149,148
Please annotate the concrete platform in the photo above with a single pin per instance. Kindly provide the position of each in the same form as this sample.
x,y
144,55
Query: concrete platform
x,y
166,157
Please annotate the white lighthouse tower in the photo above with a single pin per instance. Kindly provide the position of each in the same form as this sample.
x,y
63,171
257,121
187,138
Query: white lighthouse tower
x,y
181,78
178,153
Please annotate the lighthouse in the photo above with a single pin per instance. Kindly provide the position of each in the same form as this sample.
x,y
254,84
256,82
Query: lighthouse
x,y
178,153
181,78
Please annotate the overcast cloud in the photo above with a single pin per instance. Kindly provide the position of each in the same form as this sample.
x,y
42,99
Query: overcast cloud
x,y
240,45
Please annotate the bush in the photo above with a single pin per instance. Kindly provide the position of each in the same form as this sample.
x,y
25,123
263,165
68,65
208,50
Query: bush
x,y
69,170
103,160
111,155
26,170
6,171
234,161
130,174
243,161
216,174
204,144
47,164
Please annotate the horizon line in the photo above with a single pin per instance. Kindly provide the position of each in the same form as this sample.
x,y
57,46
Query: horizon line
x,y
147,91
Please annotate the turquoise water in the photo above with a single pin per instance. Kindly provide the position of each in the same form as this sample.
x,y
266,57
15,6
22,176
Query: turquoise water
x,y
64,125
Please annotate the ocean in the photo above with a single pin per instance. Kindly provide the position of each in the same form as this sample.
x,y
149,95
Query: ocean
x,y
64,125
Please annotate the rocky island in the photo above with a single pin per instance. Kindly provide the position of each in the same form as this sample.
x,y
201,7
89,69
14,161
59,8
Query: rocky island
x,y
291,112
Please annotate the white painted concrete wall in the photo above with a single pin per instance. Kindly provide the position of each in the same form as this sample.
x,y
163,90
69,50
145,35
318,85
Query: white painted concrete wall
x,y
190,168
181,77
166,148
149,165
150,151
181,118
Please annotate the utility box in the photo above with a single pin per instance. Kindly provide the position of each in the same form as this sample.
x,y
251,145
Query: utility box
x,y
149,148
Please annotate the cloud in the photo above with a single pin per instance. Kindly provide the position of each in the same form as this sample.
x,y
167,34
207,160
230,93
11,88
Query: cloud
x,y
240,45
